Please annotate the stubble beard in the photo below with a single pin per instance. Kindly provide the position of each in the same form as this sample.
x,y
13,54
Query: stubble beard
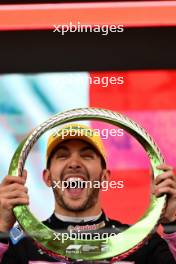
x,y
90,201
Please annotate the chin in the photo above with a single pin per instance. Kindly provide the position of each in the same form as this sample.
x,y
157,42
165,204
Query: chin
x,y
75,206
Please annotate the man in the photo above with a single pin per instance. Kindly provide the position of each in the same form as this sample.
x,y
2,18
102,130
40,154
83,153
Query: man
x,y
75,154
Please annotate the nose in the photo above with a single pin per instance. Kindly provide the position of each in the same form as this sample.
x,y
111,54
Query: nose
x,y
74,163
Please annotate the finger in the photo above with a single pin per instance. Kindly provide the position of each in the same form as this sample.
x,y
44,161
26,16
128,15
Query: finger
x,y
165,175
15,194
10,203
12,179
24,175
164,167
164,190
166,183
18,201
14,187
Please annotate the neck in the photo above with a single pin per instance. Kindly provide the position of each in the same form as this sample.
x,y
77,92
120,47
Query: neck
x,y
77,219
93,211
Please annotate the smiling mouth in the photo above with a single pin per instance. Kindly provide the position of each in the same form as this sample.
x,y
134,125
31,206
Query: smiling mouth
x,y
75,186
74,183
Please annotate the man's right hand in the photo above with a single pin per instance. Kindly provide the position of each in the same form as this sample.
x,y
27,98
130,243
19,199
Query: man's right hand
x,y
12,193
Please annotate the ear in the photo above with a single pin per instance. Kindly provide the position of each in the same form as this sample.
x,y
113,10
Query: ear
x,y
47,177
106,175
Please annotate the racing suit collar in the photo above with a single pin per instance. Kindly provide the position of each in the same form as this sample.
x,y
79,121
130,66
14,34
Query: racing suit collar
x,y
56,223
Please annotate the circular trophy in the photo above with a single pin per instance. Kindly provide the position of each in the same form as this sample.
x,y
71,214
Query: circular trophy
x,y
118,246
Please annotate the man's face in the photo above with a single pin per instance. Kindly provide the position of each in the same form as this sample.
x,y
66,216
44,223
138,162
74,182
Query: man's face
x,y
75,160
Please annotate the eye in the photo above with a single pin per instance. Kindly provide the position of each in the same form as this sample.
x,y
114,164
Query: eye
x,y
88,155
62,155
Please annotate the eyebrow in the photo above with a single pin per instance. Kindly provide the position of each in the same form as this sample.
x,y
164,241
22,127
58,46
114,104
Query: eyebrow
x,y
88,148
61,148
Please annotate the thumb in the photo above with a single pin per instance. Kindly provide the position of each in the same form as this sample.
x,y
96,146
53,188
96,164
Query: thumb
x,y
24,175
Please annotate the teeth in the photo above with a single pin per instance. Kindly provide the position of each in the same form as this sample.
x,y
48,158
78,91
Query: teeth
x,y
74,179
78,182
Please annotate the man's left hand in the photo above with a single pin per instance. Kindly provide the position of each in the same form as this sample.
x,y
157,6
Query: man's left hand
x,y
165,183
